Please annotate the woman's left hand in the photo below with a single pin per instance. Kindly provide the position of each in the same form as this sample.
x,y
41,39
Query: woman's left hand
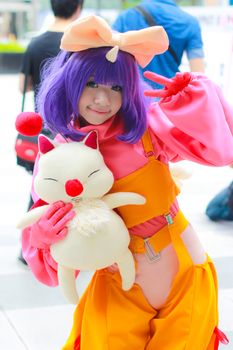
x,y
171,86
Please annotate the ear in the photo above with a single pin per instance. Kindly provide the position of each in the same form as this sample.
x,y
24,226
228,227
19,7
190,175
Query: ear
x,y
91,140
45,144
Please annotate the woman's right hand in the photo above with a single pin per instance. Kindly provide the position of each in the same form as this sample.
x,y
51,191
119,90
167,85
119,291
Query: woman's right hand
x,y
51,227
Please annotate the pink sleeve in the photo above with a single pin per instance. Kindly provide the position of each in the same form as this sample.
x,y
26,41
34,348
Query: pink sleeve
x,y
195,124
35,171
40,261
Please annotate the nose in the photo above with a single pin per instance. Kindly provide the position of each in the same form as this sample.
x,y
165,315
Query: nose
x,y
73,187
102,97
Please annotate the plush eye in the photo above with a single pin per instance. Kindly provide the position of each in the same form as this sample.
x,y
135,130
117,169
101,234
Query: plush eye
x,y
50,179
93,172
117,88
92,84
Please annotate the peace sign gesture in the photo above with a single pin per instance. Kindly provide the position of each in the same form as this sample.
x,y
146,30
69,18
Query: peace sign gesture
x,y
171,86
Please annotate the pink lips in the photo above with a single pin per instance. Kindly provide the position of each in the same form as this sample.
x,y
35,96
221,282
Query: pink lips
x,y
98,111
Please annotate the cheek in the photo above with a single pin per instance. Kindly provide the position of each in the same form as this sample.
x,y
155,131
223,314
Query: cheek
x,y
83,100
80,103
117,102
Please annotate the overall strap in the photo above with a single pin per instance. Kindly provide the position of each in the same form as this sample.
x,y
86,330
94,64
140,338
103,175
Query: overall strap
x,y
147,145
179,225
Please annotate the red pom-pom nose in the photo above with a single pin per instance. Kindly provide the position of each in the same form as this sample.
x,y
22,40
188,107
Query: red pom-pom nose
x,y
73,187
29,123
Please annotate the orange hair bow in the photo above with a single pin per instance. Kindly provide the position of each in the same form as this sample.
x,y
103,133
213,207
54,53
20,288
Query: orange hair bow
x,y
93,31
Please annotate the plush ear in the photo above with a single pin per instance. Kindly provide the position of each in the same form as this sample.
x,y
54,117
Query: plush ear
x,y
91,140
45,144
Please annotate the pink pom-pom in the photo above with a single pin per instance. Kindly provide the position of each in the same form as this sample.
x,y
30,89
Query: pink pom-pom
x,y
29,123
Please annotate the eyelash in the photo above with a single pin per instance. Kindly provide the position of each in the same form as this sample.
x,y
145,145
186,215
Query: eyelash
x,y
93,85
117,88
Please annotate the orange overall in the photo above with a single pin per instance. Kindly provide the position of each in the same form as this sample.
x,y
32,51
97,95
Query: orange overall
x,y
108,318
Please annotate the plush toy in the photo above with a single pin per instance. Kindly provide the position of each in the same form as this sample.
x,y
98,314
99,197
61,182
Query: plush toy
x,y
179,174
97,236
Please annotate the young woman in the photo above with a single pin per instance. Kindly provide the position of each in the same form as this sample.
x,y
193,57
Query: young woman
x,y
94,85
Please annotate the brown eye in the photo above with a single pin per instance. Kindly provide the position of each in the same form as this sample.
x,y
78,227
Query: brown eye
x,y
117,88
92,84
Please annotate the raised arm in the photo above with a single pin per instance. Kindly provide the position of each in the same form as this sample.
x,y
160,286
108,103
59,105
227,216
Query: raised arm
x,y
192,119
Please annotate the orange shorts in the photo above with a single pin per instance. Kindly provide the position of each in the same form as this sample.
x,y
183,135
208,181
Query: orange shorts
x,y
108,318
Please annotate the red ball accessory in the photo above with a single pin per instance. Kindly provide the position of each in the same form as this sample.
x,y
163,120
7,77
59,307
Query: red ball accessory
x,y
73,187
29,123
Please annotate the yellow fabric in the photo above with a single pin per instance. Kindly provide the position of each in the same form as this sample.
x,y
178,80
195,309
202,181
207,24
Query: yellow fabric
x,y
108,318
153,181
159,240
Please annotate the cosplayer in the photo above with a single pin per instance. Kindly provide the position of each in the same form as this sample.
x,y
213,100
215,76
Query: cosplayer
x,y
94,85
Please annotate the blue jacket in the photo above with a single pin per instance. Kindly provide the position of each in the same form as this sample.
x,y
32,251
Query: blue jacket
x,y
183,31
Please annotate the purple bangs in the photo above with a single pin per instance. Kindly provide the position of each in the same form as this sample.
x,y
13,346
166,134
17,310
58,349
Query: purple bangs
x,y
65,78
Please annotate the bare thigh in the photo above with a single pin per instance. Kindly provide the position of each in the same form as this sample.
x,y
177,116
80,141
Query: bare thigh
x,y
155,278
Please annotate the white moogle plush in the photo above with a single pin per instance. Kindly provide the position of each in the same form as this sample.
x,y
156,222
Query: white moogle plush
x,y
97,236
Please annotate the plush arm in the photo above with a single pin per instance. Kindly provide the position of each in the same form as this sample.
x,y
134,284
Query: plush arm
x,y
118,199
31,216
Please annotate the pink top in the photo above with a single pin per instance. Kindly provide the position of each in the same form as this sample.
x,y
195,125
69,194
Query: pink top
x,y
195,124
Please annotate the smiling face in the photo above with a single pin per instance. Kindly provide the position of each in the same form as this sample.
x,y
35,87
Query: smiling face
x,y
98,102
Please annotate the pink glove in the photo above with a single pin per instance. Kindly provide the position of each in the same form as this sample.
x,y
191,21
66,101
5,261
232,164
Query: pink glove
x,y
172,86
51,227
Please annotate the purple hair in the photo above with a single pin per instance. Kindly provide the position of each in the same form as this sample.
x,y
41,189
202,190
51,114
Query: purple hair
x,y
65,78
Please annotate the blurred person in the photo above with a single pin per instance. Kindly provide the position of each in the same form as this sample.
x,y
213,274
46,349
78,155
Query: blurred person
x,y
47,44
43,47
220,206
183,31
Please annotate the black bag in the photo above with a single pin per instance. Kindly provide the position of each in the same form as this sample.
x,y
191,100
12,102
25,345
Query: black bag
x,y
26,149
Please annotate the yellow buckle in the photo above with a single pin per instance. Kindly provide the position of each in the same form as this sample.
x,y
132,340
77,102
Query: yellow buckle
x,y
150,252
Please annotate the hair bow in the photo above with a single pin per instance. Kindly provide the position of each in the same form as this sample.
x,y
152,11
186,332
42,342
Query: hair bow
x,y
93,31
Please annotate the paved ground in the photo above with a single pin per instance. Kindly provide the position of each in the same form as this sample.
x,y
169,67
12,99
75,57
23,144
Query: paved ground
x,y
35,317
